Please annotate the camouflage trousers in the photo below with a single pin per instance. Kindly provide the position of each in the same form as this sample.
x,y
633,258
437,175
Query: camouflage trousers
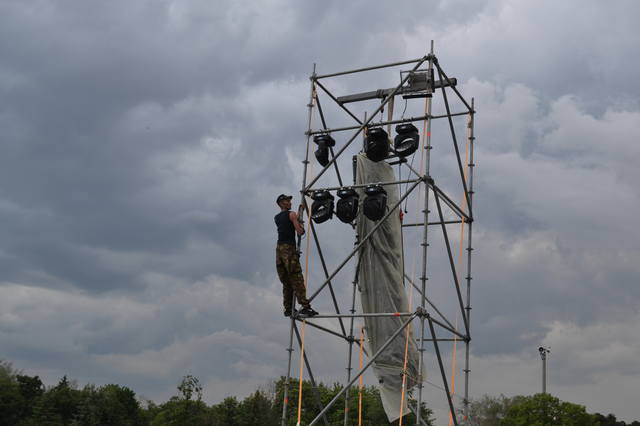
x,y
290,274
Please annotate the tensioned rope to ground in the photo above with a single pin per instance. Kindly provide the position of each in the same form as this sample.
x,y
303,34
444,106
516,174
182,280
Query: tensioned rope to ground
x,y
458,268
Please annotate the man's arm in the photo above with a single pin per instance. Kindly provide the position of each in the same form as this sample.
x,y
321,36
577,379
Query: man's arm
x,y
293,216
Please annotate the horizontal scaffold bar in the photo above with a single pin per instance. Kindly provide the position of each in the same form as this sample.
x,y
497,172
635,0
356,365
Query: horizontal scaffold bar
x,y
364,185
375,67
385,123
372,314
383,93
446,222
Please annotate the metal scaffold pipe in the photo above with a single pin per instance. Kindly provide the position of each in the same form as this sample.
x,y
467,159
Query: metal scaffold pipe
x,y
425,238
393,64
470,168
285,401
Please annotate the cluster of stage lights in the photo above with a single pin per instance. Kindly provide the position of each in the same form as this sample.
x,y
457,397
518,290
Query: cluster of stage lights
x,y
374,205
377,146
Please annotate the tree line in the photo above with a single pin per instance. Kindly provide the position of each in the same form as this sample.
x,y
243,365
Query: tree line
x,y
535,410
25,401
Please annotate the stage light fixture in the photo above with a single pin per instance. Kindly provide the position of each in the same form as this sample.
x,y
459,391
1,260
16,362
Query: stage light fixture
x,y
374,206
347,205
322,206
406,140
377,144
323,141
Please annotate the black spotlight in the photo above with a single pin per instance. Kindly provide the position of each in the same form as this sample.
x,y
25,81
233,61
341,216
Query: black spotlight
x,y
377,144
347,205
322,153
406,141
375,205
322,206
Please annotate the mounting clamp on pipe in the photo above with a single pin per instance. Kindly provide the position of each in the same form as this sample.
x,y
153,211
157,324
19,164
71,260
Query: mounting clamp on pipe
x,y
352,339
422,312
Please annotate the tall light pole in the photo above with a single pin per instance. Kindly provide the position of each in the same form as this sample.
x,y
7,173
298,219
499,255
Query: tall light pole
x,y
543,354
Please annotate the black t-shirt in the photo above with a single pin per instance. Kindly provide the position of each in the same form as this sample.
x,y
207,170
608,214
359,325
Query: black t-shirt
x,y
286,231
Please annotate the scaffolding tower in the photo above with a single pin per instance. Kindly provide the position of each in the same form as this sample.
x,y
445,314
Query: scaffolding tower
x,y
442,315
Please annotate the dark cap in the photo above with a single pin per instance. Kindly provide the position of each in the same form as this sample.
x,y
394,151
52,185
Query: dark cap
x,y
283,197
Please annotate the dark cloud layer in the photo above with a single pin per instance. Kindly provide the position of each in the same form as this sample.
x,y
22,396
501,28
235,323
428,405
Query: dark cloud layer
x,y
143,145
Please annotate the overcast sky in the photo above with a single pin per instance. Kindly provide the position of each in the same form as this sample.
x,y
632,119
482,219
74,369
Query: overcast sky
x,y
143,144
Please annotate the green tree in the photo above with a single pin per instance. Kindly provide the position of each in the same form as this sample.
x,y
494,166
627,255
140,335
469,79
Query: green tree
x,y
109,405
546,410
11,400
183,410
31,389
309,406
190,386
226,413
488,410
58,405
257,409
611,420
372,410
7,372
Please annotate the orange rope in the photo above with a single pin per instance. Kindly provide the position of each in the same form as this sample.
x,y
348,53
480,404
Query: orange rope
x,y
301,372
460,255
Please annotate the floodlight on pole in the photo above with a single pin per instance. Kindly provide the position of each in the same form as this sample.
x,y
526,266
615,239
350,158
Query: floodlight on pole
x,y
543,354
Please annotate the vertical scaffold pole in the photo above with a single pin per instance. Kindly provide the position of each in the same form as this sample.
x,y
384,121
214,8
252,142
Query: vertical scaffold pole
x,y
351,340
471,165
423,277
285,400
353,307
305,163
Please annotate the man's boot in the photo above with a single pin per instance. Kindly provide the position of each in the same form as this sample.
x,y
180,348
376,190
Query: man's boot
x,y
308,311
289,312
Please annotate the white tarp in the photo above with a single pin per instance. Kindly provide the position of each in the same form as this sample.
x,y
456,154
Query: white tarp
x,y
382,290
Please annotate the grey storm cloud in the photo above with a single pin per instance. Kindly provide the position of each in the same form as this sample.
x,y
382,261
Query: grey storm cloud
x,y
143,145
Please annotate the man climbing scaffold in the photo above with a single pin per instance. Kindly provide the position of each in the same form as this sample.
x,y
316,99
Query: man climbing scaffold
x,y
288,259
